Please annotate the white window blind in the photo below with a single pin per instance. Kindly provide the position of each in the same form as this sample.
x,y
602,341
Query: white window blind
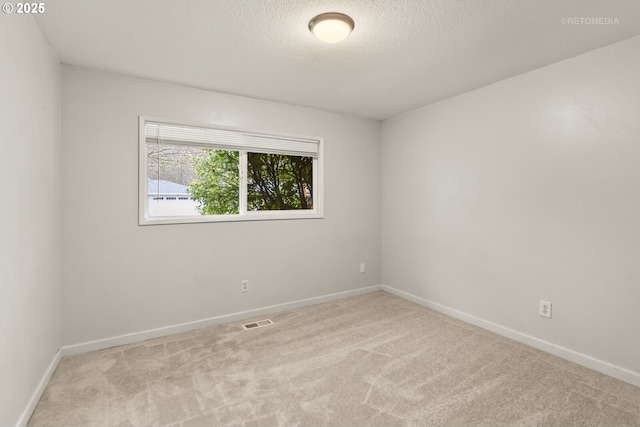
x,y
229,140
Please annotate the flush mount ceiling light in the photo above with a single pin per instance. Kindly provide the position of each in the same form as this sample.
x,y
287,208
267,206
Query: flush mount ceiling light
x,y
331,27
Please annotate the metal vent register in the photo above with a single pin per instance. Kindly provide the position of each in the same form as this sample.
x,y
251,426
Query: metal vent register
x,y
258,324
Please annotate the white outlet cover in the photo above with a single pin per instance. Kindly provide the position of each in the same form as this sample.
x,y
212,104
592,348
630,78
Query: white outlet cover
x,y
545,309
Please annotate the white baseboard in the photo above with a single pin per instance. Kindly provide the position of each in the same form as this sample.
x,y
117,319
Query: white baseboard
x,y
563,352
37,393
101,344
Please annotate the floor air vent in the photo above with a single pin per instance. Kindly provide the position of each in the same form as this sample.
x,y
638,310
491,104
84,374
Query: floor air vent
x,y
258,324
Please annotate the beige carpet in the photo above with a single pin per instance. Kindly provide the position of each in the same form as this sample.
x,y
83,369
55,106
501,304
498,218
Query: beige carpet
x,y
371,360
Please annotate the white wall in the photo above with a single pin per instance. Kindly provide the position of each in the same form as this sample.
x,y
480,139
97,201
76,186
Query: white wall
x,y
30,214
524,190
120,278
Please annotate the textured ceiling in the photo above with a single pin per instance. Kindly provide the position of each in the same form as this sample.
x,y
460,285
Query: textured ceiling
x,y
402,54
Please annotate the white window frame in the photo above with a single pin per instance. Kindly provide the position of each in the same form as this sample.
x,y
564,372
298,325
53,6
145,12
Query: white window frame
x,y
244,214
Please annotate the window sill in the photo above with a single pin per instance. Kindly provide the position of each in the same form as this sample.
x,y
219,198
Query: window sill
x,y
252,216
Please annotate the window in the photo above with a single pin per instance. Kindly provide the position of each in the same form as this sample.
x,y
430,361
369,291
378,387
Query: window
x,y
195,173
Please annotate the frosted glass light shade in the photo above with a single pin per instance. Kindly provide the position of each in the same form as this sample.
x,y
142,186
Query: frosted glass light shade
x,y
331,27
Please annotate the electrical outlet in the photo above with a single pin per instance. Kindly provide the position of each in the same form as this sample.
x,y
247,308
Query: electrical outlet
x,y
244,286
362,268
545,309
